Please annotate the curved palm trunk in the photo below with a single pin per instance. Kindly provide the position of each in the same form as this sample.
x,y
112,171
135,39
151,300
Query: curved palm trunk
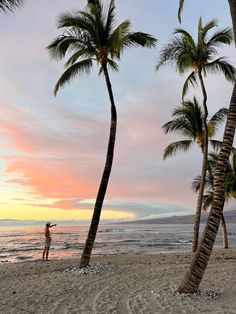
x,y
224,232
198,265
197,218
104,181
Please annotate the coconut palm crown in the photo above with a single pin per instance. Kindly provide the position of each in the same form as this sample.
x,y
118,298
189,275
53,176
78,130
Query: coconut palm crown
x,y
91,36
10,5
188,122
198,56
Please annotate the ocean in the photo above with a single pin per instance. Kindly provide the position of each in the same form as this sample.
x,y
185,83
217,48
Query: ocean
x,y
20,243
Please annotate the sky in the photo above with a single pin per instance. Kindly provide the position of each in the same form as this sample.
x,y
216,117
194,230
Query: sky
x,y
52,149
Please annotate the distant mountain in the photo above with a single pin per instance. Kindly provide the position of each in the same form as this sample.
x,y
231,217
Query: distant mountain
x,y
230,217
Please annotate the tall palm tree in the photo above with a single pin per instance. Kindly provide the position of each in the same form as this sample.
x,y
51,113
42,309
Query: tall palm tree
x,y
188,122
200,260
91,36
199,57
10,5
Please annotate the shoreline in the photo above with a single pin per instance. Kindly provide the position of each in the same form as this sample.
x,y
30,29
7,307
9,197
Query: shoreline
x,y
119,283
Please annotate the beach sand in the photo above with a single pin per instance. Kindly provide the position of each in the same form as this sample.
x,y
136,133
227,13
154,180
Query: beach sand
x,y
118,284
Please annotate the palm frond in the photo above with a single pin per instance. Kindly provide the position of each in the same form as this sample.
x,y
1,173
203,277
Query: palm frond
x,y
113,65
180,126
220,65
203,30
115,41
207,200
173,148
61,44
81,67
78,23
216,145
217,119
186,37
169,52
196,183
110,18
223,36
83,52
10,5
140,39
191,79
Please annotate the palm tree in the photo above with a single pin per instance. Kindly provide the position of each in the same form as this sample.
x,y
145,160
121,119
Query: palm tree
x,y
200,260
10,5
188,122
91,36
186,54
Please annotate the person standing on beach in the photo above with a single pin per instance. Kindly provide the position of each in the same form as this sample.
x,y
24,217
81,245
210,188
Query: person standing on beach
x,y
48,240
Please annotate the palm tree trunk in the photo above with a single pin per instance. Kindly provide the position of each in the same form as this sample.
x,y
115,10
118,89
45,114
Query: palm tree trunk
x,y
224,232
197,219
104,181
232,6
199,263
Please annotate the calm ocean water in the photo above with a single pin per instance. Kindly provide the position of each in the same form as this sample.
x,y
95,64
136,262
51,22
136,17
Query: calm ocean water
x,y
18,243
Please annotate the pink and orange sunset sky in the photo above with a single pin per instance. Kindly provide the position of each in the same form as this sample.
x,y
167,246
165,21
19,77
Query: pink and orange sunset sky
x,y
53,148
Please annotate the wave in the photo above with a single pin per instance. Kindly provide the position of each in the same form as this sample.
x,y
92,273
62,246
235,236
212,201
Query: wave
x,y
5,250
111,230
66,246
70,232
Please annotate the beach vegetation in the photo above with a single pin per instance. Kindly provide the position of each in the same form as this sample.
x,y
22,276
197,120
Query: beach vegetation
x,y
201,58
194,274
188,122
92,36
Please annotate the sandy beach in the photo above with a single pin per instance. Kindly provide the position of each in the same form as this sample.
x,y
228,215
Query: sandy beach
x,y
117,284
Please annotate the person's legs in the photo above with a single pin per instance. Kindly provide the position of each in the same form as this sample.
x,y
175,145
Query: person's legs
x,y
47,252
44,251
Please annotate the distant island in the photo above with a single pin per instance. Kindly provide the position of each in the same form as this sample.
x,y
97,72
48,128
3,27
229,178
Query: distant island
x,y
230,217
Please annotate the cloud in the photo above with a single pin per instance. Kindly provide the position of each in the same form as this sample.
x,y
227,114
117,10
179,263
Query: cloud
x,y
142,209
49,177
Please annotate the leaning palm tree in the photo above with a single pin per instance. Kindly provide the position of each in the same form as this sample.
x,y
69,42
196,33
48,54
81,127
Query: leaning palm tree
x,y
188,122
194,275
91,36
199,57
10,5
